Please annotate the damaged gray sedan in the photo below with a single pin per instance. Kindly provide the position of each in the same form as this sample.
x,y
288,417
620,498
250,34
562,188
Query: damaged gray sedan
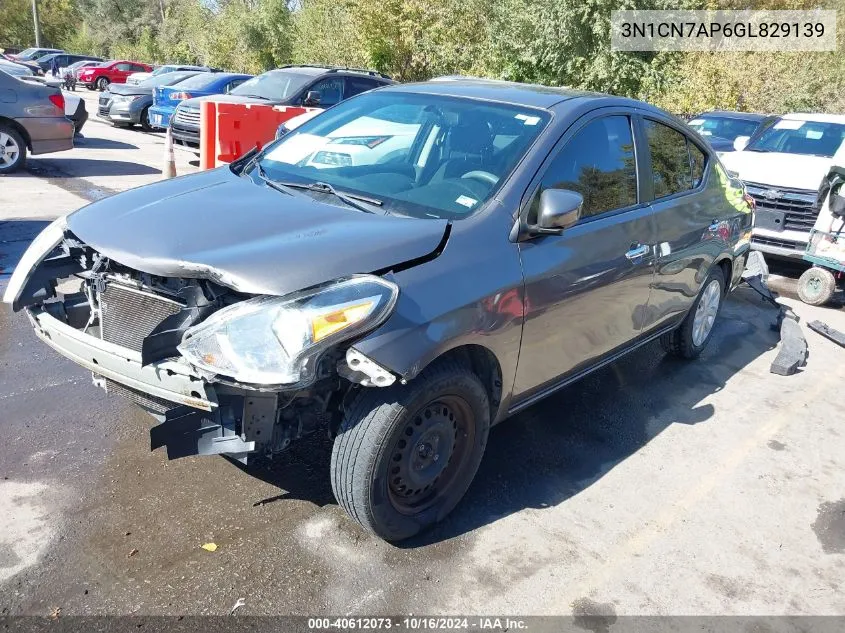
x,y
401,272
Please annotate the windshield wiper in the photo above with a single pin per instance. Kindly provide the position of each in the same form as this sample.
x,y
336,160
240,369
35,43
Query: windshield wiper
x,y
255,97
349,198
278,186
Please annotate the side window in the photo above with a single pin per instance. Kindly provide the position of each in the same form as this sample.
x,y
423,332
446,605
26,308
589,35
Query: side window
x,y
356,85
670,159
331,91
233,84
123,66
598,162
697,160
137,68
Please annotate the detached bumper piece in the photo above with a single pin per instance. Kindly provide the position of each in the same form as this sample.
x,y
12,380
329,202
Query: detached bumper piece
x,y
187,432
793,349
828,332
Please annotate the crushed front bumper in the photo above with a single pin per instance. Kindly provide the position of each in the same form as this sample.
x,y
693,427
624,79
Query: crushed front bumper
x,y
191,420
168,380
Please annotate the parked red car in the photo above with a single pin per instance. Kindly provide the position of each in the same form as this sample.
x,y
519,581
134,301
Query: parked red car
x,y
113,72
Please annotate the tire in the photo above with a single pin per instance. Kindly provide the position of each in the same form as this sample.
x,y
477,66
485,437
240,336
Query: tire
x,y
816,286
12,150
144,120
693,335
102,84
386,467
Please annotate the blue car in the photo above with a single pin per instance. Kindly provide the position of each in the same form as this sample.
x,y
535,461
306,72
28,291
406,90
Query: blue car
x,y
166,98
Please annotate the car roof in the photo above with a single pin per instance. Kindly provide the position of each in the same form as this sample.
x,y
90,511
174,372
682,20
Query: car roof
x,y
532,95
815,117
319,69
745,116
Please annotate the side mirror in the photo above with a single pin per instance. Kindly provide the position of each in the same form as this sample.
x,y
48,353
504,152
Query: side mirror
x,y
740,142
281,131
559,209
312,98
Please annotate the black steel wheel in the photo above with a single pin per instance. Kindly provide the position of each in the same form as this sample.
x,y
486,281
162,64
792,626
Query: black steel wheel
x,y
405,455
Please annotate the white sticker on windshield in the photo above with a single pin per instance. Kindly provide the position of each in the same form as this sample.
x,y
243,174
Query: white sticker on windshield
x,y
788,124
466,201
528,120
814,134
696,122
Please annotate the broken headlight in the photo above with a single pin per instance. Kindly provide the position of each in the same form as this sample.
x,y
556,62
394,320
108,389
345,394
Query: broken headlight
x,y
277,340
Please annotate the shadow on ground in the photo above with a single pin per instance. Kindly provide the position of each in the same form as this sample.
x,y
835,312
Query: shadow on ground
x,y
86,168
91,142
559,447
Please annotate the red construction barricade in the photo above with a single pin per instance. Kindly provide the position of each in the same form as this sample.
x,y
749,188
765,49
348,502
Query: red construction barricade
x,y
229,130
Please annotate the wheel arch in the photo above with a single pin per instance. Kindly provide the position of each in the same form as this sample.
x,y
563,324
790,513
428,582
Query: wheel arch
x,y
727,266
482,361
19,129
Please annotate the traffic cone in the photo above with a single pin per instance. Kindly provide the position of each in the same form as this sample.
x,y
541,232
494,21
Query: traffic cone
x,y
169,169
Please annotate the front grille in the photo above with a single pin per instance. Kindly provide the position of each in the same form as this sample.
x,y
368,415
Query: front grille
x,y
777,243
187,117
104,104
129,315
798,205
145,400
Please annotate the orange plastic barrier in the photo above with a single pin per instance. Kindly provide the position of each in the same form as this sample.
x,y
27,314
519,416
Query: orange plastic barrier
x,y
229,130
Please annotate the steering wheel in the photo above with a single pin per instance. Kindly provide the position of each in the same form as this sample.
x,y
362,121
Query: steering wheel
x,y
483,176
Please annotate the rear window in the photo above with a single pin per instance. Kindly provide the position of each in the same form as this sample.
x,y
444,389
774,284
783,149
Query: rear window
x,y
201,82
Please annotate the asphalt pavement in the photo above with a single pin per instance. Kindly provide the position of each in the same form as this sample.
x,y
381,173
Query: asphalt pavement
x,y
654,486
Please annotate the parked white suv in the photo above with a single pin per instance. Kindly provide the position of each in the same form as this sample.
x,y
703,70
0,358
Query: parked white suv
x,y
782,167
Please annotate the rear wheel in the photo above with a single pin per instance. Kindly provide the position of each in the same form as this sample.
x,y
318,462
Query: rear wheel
x,y
816,286
694,333
102,83
12,150
406,454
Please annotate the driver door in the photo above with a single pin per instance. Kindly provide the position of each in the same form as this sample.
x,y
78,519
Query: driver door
x,y
587,288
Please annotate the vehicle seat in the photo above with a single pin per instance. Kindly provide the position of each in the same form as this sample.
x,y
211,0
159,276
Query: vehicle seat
x,y
469,147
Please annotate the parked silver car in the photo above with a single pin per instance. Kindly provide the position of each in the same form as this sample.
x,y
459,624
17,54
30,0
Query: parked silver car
x,y
32,117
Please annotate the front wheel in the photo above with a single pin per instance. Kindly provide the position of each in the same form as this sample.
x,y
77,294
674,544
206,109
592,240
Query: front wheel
x,y
694,333
405,455
816,286
102,84
145,120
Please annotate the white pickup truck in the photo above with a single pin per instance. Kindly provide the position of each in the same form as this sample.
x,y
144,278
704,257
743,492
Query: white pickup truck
x,y
782,167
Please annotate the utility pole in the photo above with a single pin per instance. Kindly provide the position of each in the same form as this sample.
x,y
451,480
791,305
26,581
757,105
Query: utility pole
x,y
37,25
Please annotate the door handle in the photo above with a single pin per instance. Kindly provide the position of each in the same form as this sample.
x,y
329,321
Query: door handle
x,y
638,251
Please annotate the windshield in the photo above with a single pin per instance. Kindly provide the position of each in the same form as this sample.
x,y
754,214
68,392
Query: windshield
x,y
420,155
723,127
791,136
161,70
167,79
30,53
276,85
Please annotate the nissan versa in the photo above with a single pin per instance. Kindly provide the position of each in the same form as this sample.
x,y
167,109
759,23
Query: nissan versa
x,y
402,272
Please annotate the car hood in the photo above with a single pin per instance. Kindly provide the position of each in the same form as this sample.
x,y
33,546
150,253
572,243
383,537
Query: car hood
x,y
128,89
777,169
247,236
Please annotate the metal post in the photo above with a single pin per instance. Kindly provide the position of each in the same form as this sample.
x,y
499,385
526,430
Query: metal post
x,y
37,25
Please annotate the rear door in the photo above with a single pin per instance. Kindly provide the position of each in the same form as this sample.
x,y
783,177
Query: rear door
x,y
694,218
357,85
586,289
